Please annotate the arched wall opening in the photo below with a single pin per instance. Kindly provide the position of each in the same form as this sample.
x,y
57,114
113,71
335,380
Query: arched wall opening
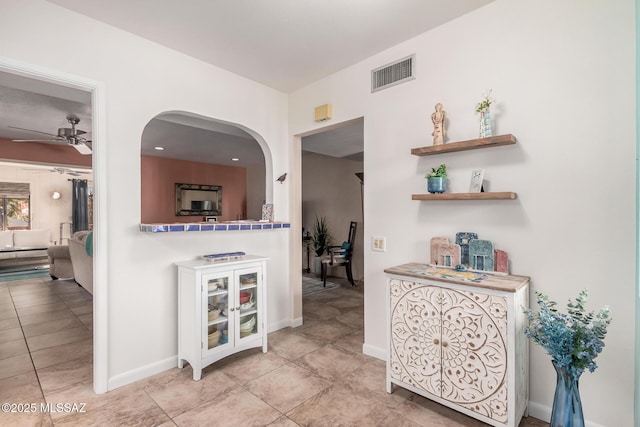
x,y
181,147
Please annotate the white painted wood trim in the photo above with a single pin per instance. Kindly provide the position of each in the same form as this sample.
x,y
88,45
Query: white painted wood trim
x,y
142,372
377,352
99,158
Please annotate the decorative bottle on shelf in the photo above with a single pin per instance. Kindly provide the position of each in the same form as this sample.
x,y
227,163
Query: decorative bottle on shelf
x,y
485,123
485,114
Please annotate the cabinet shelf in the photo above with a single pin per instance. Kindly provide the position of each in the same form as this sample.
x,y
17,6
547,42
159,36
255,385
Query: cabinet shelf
x,y
217,321
472,144
501,195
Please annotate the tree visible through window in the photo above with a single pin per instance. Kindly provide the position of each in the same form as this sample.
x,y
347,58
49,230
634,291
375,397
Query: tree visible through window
x,y
15,204
15,214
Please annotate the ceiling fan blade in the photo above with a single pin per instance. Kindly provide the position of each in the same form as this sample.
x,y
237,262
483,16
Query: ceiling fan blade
x,y
36,140
82,148
34,131
36,170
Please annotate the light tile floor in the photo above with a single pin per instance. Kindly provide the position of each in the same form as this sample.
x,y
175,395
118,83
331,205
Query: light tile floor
x,y
313,375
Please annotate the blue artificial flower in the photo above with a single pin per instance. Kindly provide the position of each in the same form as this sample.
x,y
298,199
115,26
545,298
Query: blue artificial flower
x,y
572,340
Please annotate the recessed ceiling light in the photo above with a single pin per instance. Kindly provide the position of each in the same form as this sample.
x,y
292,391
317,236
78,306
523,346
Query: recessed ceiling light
x,y
235,159
158,148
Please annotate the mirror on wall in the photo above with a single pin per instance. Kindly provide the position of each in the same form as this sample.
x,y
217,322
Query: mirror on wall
x,y
198,199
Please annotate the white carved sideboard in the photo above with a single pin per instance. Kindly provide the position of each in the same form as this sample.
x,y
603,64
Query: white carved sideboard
x,y
458,338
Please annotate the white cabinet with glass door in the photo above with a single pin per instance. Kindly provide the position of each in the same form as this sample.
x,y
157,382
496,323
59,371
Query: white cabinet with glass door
x,y
221,309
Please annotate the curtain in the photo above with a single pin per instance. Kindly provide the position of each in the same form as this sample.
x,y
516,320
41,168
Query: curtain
x,y
79,205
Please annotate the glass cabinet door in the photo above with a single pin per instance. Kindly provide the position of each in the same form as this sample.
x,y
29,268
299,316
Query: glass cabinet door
x,y
216,311
248,297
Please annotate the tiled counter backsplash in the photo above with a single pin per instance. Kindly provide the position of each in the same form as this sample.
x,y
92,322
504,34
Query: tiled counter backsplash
x,y
214,226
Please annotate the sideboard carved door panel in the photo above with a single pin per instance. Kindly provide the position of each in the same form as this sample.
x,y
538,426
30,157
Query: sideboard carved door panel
x,y
474,352
458,338
416,328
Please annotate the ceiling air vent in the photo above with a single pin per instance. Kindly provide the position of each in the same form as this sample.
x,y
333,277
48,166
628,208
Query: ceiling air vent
x,y
392,74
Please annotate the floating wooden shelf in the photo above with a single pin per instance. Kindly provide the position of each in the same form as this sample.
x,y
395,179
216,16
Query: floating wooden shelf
x,y
472,144
502,195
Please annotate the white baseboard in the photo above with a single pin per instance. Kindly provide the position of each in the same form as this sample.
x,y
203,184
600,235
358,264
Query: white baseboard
x,y
543,412
296,322
377,352
142,372
539,411
536,410
172,362
281,324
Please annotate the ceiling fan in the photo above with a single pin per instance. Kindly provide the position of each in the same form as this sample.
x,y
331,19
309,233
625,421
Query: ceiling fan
x,y
61,171
68,171
71,136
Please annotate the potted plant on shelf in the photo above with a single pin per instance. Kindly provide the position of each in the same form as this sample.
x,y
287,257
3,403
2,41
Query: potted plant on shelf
x,y
437,179
573,341
320,239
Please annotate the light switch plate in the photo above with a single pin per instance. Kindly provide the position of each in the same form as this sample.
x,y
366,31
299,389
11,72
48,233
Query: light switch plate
x,y
379,243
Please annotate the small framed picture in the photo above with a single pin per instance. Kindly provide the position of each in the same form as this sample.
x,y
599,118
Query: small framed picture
x,y
476,181
211,219
267,212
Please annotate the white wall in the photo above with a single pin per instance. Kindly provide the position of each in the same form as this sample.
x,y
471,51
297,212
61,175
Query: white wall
x,y
255,190
143,79
331,189
563,77
46,213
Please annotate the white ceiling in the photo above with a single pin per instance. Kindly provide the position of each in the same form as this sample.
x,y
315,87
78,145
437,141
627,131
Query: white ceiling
x,y
39,106
345,141
192,138
285,44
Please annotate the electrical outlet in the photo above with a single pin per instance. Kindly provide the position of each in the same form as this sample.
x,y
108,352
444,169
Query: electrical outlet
x,y
379,243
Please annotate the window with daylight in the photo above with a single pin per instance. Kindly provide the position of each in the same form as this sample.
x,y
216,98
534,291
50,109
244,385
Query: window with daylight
x,y
15,204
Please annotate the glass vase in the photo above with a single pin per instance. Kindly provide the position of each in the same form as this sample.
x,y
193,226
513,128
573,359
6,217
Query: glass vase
x,y
485,123
567,407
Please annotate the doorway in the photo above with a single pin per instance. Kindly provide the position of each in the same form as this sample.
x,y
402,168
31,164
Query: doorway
x,y
65,83
332,175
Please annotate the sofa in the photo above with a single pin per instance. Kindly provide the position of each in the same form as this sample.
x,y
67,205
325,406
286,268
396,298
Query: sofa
x,y
24,247
81,252
60,266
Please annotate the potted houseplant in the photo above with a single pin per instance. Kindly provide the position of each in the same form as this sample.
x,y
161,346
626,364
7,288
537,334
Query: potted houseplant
x,y
437,179
320,239
573,341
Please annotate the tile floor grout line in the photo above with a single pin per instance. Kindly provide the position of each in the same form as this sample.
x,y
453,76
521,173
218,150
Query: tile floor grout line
x,y
282,414
35,370
75,315
317,408
156,403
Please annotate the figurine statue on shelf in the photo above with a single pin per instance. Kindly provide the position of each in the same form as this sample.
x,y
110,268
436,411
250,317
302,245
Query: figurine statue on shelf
x,y
439,131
